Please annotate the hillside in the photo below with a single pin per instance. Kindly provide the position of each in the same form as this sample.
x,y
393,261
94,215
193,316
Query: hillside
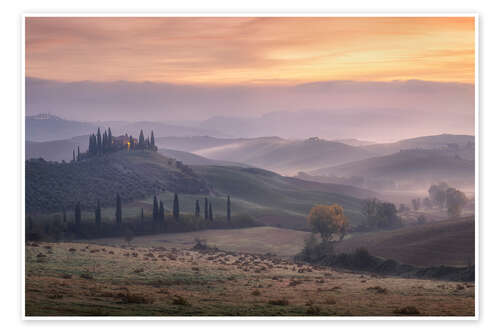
x,y
56,150
448,242
274,199
407,169
51,186
46,127
462,145
193,159
287,156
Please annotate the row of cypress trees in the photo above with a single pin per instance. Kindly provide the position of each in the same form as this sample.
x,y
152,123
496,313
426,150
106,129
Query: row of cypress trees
x,y
99,145
158,210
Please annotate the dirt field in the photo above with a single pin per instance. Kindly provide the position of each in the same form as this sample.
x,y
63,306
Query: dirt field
x,y
77,279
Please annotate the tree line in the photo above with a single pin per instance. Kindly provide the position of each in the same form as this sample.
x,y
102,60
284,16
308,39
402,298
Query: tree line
x,y
441,196
100,144
159,221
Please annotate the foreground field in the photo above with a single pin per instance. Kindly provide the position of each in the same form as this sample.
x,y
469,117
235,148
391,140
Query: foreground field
x,y
435,243
259,240
77,279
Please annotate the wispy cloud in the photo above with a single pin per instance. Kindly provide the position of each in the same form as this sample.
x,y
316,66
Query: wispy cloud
x,y
215,51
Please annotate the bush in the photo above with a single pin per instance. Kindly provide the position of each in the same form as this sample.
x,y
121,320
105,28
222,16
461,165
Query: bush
x,y
313,311
407,311
179,300
134,299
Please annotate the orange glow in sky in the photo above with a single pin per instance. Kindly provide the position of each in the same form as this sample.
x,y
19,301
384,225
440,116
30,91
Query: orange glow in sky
x,y
261,50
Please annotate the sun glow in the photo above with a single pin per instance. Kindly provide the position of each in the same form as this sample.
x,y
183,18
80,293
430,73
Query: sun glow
x,y
263,50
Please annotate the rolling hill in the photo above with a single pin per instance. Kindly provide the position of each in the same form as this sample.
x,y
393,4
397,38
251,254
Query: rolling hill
x,y
46,127
289,157
272,153
266,196
413,168
50,186
193,159
448,242
56,150
462,145
277,200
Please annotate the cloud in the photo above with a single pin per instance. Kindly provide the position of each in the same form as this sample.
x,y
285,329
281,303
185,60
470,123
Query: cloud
x,y
369,110
250,50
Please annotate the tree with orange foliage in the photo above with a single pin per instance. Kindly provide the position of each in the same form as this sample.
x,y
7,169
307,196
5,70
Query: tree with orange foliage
x,y
328,221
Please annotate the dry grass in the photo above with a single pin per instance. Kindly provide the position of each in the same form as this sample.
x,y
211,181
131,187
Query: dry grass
x,y
448,242
222,284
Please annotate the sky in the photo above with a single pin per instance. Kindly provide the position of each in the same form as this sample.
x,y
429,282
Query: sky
x,y
249,67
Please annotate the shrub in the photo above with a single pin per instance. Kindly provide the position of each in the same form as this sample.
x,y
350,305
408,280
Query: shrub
x,y
313,311
407,311
362,259
377,289
135,299
86,276
179,300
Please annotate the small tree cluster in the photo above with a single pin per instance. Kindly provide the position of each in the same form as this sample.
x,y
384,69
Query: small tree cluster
x,y
445,196
100,144
415,203
106,143
328,221
380,215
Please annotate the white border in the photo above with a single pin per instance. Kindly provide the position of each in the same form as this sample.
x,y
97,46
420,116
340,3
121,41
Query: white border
x,y
245,14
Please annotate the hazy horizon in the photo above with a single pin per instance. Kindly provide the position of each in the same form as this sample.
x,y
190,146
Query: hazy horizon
x,y
371,78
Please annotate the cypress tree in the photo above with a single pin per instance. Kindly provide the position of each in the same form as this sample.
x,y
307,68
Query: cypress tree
x,y
141,140
110,139
153,147
155,209
104,141
98,214
90,144
210,216
131,141
118,213
197,209
161,212
142,215
78,214
228,209
99,141
175,209
206,209
73,155
78,156
30,224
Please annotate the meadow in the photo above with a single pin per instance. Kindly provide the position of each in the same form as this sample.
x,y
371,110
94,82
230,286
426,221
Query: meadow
x,y
79,279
